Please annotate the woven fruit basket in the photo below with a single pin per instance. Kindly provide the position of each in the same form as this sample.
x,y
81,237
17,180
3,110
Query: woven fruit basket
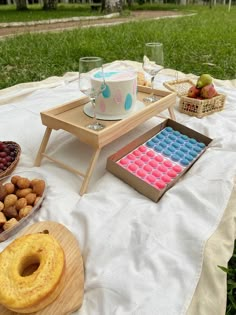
x,y
194,106
9,157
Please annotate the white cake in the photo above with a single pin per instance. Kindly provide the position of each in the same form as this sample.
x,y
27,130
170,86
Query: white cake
x,y
119,97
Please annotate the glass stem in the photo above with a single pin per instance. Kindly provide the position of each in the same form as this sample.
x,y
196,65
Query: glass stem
x,y
94,111
152,84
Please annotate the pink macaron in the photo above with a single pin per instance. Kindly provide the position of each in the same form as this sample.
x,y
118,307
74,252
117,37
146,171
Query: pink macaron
x,y
177,168
151,179
147,168
141,173
172,173
159,158
167,163
123,161
160,184
131,157
132,167
166,179
142,148
145,158
162,168
150,153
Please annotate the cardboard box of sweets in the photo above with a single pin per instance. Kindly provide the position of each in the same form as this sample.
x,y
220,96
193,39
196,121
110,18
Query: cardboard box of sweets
x,y
156,160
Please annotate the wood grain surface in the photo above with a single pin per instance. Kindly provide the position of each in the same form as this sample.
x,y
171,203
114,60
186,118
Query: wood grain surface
x,y
71,297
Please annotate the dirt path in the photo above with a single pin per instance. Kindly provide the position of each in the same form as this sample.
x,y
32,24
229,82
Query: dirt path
x,y
7,30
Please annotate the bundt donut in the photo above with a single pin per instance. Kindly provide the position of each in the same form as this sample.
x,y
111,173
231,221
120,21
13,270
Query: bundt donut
x,y
32,270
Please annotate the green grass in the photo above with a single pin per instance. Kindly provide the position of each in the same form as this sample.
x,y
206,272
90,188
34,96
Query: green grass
x,y
231,284
190,45
8,13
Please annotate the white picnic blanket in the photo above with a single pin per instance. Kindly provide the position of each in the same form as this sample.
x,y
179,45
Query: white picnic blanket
x,y
140,257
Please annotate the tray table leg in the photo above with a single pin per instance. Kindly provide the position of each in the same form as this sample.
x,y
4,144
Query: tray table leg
x,y
89,171
42,147
171,112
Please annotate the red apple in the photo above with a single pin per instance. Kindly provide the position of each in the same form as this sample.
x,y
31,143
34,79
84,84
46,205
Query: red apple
x,y
194,92
208,91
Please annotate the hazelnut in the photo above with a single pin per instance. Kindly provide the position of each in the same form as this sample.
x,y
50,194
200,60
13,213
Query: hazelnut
x,y
14,179
30,198
10,212
9,224
3,192
38,186
10,200
23,192
20,203
1,205
25,211
10,188
23,183
3,219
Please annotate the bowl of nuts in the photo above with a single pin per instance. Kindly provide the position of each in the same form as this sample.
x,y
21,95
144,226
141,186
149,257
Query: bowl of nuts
x,y
21,195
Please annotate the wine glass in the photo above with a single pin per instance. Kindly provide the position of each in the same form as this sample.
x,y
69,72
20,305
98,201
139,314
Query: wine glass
x,y
87,67
153,62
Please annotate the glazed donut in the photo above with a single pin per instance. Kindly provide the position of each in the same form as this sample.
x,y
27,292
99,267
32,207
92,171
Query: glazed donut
x,y
32,271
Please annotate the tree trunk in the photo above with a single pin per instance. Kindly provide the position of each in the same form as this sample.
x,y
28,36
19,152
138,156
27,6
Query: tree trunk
x,y
49,4
129,2
21,5
103,7
110,6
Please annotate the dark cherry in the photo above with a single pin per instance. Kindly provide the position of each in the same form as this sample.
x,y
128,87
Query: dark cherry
x,y
3,154
11,147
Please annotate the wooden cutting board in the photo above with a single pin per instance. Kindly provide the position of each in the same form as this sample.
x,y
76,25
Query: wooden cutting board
x,y
71,297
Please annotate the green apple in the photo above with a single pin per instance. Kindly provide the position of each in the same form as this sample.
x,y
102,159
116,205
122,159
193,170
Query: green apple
x,y
204,80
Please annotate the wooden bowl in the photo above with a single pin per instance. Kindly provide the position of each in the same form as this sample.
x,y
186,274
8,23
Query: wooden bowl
x,y
11,168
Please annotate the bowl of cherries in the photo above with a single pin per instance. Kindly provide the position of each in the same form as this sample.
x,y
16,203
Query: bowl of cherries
x,y
9,156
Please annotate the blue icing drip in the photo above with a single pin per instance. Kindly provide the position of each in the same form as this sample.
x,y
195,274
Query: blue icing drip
x,y
106,93
128,102
100,74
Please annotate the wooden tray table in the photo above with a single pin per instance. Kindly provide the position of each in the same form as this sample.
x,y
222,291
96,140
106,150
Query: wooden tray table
x,y
71,118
